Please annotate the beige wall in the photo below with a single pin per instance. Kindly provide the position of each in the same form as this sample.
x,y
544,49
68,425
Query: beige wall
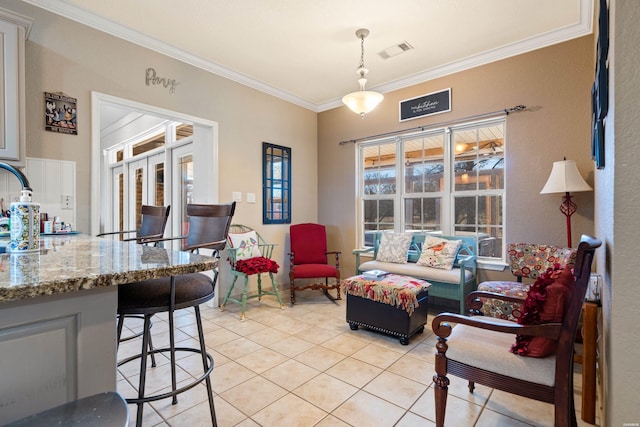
x,y
556,81
617,204
64,56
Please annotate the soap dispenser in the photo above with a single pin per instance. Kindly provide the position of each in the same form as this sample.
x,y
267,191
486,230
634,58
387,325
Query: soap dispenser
x,y
25,217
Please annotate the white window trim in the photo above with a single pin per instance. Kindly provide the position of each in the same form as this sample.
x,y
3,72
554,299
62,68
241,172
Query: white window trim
x,y
448,195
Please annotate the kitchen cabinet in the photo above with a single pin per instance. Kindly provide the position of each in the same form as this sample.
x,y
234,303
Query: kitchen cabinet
x,y
13,31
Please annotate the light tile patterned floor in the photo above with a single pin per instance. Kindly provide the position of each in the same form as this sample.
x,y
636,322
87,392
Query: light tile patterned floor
x,y
303,366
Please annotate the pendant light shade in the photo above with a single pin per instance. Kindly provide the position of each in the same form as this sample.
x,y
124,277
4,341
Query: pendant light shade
x,y
362,101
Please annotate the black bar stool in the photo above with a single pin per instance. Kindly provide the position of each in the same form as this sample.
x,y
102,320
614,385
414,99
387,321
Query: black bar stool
x,y
208,228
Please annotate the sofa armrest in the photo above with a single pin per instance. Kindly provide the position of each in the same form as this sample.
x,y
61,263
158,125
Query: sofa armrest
x,y
467,262
357,253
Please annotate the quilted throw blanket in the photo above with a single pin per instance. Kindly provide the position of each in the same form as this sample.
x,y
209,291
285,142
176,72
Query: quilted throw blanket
x,y
393,289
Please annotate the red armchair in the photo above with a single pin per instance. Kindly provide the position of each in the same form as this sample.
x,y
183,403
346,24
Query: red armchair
x,y
309,260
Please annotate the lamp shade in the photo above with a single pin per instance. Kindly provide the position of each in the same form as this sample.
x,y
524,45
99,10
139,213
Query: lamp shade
x,y
565,178
362,101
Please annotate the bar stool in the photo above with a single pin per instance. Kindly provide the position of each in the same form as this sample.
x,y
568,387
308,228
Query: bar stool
x,y
208,228
152,225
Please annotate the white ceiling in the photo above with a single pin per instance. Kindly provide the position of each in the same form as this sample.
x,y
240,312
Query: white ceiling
x,y
306,51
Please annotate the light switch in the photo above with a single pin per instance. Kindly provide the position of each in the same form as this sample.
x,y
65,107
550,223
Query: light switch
x,y
236,196
251,197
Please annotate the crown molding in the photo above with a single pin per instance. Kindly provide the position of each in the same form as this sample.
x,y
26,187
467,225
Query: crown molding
x,y
581,28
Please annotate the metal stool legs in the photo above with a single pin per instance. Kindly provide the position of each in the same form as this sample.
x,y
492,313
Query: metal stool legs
x,y
139,334
207,365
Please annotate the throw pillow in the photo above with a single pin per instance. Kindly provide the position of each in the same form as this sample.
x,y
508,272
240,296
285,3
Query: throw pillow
x,y
246,245
546,302
439,253
394,247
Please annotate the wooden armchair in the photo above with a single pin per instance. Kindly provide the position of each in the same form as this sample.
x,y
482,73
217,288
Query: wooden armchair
x,y
308,260
477,349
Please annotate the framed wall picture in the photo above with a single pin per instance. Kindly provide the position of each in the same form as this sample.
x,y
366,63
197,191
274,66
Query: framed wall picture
x,y
60,113
600,88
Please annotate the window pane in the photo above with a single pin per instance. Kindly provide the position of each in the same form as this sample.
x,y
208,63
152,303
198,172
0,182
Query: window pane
x,y
379,169
424,164
185,165
423,214
378,214
139,188
479,158
465,211
184,130
159,190
148,144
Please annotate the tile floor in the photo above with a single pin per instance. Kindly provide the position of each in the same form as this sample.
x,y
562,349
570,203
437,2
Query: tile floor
x,y
303,366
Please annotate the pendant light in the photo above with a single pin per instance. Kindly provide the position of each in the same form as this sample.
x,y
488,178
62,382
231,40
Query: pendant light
x,y
362,101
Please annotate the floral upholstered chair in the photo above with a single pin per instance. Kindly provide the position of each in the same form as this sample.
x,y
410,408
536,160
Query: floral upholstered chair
x,y
528,261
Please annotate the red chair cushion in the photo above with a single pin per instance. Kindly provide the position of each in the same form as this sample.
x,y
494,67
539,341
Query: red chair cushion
x,y
308,243
256,265
307,271
547,301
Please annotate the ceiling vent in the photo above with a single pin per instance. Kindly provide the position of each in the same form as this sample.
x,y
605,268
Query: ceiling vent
x,y
395,50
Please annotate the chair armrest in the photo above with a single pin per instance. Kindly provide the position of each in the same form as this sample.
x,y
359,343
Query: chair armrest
x,y
111,233
337,254
208,244
442,328
194,247
362,251
357,253
485,294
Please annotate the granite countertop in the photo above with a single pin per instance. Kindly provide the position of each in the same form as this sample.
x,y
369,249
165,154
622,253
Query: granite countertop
x,y
72,263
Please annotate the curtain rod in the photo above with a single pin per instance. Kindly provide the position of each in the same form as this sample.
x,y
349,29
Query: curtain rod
x,y
506,111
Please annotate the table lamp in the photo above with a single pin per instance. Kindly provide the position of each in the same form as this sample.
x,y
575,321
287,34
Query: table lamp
x,y
565,178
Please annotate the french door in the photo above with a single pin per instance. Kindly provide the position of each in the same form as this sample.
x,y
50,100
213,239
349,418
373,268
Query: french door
x,y
136,183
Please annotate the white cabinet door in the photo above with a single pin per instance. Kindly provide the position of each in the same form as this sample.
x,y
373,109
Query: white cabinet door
x,y
12,95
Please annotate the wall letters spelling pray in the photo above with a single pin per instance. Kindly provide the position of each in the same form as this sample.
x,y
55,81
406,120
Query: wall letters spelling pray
x,y
152,79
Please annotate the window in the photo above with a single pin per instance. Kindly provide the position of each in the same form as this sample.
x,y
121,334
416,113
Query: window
x,y
446,181
276,184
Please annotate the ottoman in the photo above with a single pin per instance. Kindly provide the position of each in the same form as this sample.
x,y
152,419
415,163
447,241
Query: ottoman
x,y
395,305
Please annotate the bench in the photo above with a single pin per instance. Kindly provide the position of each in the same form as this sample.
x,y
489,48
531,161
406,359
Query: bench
x,y
452,284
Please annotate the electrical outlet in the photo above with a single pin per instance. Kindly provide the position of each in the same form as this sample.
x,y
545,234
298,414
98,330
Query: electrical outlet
x,y
67,202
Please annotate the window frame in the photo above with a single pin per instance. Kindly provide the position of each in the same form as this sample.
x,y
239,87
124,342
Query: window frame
x,y
274,212
448,194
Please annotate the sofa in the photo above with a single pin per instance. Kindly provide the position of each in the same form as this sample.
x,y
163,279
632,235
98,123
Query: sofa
x,y
454,283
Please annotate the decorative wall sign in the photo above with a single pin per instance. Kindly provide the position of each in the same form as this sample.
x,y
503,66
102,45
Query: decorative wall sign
x,y
60,113
425,105
151,78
